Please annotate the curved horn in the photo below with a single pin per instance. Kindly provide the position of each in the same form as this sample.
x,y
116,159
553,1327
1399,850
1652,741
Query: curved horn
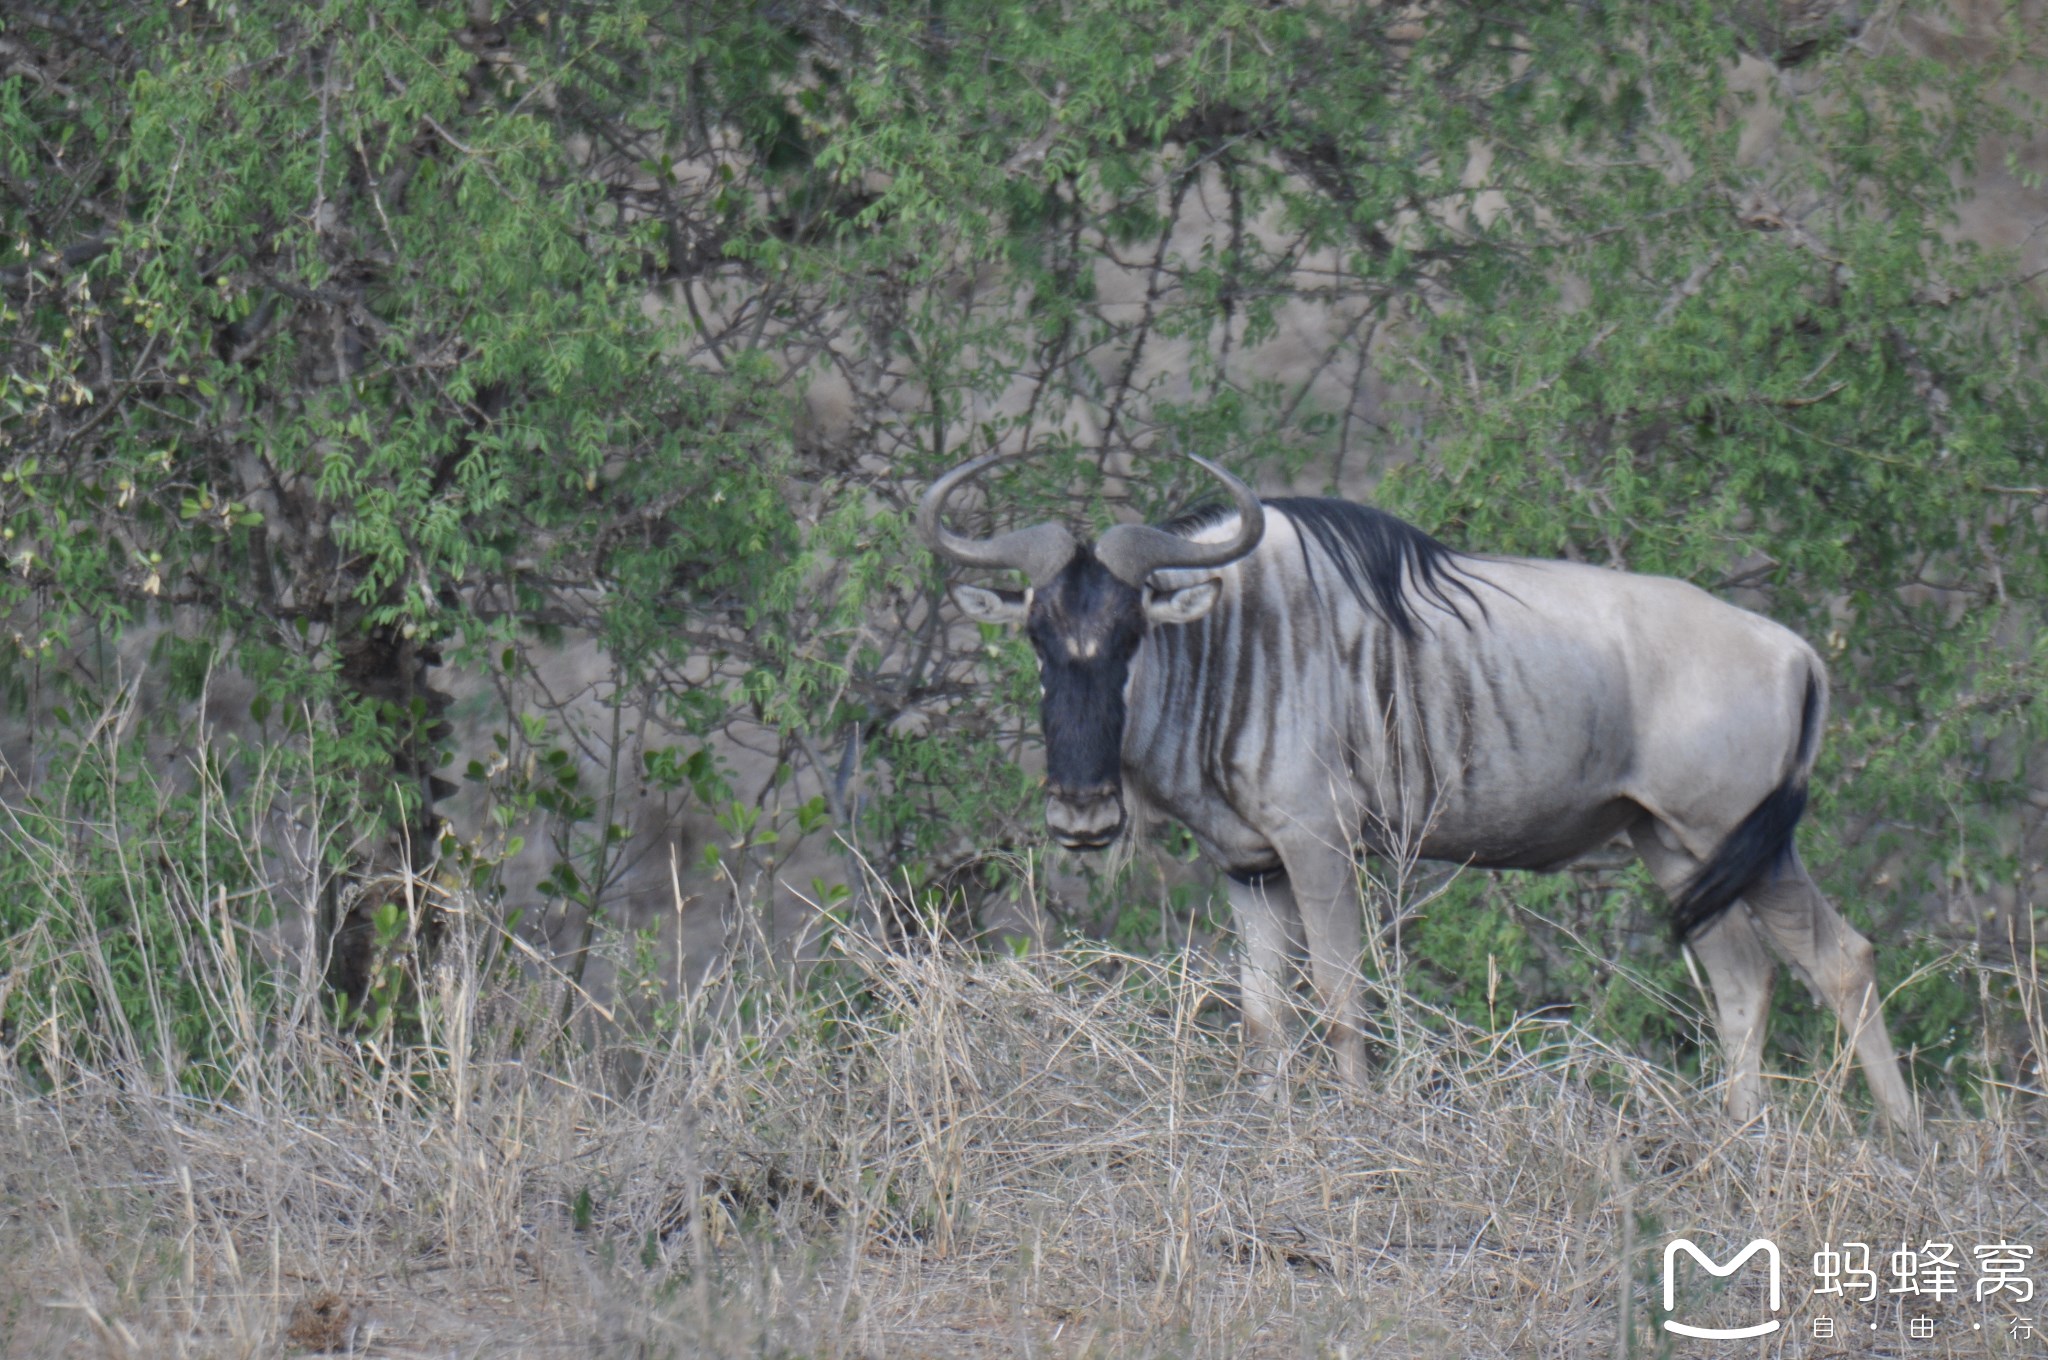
x,y
1133,552
1039,552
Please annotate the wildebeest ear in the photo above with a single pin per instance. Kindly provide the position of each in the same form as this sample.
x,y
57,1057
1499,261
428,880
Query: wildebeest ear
x,y
992,606
1184,605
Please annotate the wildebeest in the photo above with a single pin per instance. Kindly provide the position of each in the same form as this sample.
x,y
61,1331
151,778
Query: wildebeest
x,y
1301,678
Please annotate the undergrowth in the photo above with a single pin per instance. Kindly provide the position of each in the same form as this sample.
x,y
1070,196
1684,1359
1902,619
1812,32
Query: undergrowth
x,y
911,1151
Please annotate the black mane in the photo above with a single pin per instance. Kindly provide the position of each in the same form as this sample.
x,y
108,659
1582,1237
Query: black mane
x,y
1386,563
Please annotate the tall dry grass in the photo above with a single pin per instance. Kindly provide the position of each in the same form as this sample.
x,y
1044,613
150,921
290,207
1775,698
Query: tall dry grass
x,y
923,1152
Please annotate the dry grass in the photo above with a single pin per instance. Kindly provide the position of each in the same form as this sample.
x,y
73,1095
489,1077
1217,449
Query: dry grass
x,y
930,1153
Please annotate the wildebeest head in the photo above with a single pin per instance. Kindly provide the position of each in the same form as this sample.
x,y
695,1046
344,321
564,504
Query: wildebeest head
x,y
1086,612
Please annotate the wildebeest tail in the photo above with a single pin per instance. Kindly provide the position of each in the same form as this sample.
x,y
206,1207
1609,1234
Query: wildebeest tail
x,y
1761,844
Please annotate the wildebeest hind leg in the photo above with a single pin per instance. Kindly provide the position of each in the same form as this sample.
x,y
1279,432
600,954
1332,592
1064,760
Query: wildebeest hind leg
x,y
1839,963
1739,970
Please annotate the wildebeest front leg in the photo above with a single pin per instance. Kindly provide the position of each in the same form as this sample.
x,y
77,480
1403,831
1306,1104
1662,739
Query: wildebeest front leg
x,y
1263,912
1325,882
1839,963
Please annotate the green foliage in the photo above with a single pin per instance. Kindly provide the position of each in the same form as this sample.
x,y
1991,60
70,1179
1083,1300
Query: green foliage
x,y
127,910
273,390
370,336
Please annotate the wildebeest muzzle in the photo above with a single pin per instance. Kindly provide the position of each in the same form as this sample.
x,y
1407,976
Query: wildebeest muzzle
x,y
1084,819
